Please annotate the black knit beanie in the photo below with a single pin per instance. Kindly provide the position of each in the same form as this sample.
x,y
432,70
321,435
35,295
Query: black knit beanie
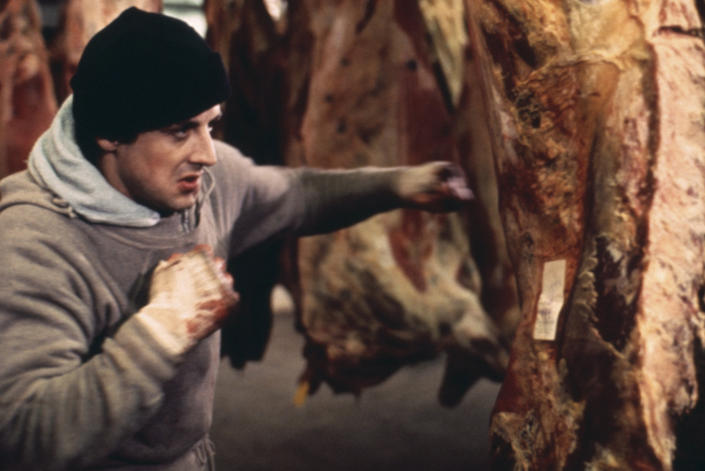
x,y
142,72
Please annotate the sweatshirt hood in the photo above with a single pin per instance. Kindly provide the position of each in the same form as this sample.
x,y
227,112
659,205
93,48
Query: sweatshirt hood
x,y
57,164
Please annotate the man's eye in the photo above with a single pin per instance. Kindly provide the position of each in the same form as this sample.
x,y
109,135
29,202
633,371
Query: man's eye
x,y
179,133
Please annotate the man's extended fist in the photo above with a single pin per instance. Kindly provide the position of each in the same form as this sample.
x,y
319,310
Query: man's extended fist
x,y
190,296
435,186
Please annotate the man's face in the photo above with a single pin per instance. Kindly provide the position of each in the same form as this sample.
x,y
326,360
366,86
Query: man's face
x,y
163,169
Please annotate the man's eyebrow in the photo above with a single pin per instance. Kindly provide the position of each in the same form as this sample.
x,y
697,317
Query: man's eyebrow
x,y
181,125
190,124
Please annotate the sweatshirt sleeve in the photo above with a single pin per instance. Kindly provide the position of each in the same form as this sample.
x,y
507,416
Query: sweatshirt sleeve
x,y
68,395
307,201
301,201
335,199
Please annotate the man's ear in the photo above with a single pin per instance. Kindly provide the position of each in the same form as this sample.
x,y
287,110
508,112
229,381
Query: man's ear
x,y
106,144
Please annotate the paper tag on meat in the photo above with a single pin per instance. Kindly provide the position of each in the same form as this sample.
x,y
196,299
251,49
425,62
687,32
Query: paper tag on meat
x,y
550,300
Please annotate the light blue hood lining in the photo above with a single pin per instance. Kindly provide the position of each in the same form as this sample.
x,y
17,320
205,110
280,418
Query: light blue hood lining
x,y
56,163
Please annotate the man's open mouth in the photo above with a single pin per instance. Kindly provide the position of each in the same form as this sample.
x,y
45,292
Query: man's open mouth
x,y
190,183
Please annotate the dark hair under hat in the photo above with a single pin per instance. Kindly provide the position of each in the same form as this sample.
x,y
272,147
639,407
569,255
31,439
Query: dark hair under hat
x,y
145,71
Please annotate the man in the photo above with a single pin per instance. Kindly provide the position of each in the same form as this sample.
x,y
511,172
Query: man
x,y
112,246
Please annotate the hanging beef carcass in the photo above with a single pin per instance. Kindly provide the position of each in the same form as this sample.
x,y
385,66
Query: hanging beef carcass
x,y
27,102
401,286
363,86
596,111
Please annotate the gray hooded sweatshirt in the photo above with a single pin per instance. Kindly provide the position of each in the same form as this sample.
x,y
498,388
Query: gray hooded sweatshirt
x,y
82,384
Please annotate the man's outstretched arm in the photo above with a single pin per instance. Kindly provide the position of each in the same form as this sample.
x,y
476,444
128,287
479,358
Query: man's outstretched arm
x,y
335,199
262,202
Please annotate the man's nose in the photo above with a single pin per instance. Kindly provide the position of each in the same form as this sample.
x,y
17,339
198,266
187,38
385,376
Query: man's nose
x,y
204,151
